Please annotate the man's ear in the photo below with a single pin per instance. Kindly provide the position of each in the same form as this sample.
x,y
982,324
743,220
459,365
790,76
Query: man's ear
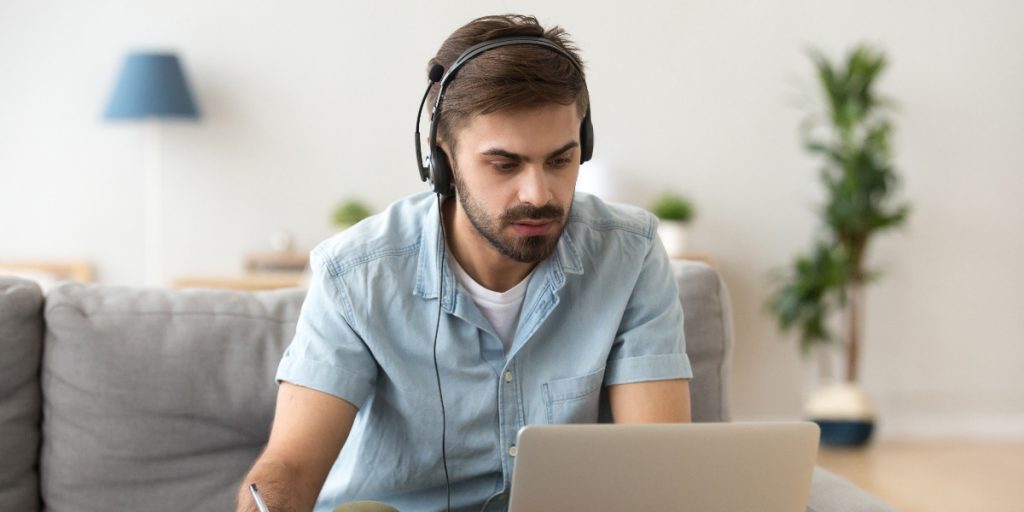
x,y
444,147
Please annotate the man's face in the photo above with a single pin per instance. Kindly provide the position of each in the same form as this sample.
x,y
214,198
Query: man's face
x,y
515,174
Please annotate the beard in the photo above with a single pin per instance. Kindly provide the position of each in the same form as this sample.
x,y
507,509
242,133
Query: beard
x,y
524,249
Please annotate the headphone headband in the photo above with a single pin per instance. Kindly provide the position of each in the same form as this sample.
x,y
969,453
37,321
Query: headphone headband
x,y
491,44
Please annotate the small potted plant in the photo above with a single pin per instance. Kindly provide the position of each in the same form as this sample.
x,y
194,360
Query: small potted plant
x,y
349,212
675,213
827,284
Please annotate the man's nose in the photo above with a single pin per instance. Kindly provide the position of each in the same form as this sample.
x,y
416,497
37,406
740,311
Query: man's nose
x,y
533,186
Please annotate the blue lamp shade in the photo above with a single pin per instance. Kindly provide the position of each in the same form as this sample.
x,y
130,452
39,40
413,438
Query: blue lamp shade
x,y
151,85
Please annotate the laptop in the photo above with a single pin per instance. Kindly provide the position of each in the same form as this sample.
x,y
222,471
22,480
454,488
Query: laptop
x,y
704,467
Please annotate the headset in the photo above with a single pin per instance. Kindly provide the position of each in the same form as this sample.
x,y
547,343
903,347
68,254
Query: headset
x,y
437,170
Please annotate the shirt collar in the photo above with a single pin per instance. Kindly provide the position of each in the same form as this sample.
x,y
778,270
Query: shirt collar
x,y
564,260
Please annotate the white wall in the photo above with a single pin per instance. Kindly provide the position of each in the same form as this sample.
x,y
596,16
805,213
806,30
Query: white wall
x,y
308,102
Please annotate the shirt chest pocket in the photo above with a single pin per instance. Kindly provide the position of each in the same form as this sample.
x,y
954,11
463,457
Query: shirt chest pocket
x,y
574,399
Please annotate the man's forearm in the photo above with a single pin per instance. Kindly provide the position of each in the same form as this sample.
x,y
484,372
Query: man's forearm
x,y
662,401
280,486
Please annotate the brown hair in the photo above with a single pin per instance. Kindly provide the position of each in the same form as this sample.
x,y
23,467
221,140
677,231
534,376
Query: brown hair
x,y
508,78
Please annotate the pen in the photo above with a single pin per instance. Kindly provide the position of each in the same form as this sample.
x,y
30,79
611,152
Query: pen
x,y
256,496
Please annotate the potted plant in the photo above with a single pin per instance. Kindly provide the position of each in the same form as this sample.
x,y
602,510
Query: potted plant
x,y
675,213
852,140
349,212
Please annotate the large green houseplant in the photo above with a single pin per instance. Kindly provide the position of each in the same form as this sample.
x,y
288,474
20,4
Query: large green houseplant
x,y
852,140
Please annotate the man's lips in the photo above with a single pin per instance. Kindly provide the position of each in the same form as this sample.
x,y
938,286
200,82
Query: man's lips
x,y
531,227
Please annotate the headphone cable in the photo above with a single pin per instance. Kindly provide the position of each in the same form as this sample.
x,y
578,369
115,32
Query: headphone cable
x,y
437,327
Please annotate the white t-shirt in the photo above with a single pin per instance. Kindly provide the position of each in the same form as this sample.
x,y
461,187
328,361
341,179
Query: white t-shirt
x,y
500,308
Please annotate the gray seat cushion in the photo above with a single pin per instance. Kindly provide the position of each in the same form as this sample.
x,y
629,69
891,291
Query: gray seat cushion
x,y
157,399
833,493
21,335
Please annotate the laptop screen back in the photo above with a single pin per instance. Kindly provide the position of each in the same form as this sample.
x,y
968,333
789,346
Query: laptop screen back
x,y
706,467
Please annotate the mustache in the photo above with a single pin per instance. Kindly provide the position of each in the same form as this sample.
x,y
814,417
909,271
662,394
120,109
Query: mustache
x,y
550,211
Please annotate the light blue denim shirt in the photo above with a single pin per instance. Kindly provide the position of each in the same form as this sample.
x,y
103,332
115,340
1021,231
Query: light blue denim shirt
x,y
603,309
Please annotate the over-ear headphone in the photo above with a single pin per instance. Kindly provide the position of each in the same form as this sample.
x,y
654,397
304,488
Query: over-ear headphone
x,y
437,168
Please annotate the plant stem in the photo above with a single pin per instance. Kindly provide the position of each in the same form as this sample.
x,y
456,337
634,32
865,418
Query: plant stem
x,y
853,302
825,366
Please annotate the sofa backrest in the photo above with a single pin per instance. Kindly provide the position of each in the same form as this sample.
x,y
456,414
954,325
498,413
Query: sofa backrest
x,y
162,399
21,334
157,399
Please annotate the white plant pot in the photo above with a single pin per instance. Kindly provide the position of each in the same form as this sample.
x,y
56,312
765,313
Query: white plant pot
x,y
673,237
844,413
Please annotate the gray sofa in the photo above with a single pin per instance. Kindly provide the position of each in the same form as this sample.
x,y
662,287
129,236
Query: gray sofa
x,y
118,398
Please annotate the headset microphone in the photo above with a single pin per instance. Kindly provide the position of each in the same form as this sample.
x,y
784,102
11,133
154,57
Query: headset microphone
x,y
436,73
434,76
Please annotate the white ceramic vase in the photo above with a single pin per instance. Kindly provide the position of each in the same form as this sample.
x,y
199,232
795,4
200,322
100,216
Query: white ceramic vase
x,y
844,413
673,236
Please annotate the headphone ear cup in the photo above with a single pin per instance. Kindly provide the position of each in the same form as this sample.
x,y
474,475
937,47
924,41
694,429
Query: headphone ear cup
x,y
586,138
440,172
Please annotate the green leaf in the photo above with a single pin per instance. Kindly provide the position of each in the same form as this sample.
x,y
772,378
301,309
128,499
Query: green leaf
x,y
349,212
673,207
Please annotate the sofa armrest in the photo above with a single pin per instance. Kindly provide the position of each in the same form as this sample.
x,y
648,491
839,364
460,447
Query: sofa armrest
x,y
709,338
833,493
21,345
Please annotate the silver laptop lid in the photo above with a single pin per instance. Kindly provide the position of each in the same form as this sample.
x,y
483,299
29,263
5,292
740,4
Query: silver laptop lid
x,y
705,467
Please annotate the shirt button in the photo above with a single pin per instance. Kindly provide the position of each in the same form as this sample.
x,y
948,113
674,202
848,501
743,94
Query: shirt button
x,y
513,450
508,376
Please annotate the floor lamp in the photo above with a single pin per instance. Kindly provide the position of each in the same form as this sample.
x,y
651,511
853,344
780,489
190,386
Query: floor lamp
x,y
150,88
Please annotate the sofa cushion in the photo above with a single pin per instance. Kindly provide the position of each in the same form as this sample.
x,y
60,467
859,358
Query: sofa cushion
x,y
21,337
707,322
833,493
157,399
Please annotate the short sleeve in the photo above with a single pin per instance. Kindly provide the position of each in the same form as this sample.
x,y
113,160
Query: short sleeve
x,y
326,353
650,343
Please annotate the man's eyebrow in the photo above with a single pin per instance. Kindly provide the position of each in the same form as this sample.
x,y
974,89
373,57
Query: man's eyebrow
x,y
520,158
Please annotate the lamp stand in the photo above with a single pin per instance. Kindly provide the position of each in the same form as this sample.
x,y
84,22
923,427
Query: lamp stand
x,y
154,204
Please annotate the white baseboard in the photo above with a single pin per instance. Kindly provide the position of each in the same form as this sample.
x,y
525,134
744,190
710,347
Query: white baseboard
x,y
929,427
947,426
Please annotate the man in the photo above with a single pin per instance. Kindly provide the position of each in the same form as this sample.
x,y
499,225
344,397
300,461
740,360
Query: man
x,y
422,349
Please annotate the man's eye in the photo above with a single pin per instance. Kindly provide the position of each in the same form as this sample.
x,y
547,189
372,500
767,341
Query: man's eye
x,y
504,166
560,162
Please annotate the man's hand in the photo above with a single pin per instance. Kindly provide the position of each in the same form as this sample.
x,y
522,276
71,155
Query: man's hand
x,y
660,401
310,428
